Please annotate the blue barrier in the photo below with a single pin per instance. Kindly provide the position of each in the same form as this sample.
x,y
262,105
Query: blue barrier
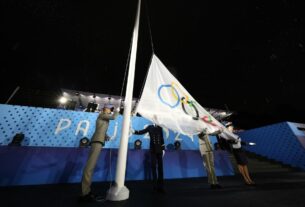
x,y
282,142
50,165
50,152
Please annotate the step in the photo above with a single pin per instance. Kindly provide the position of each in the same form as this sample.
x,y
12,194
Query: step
x,y
258,164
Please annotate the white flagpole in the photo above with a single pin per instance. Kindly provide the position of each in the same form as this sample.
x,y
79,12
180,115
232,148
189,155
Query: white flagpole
x,y
119,191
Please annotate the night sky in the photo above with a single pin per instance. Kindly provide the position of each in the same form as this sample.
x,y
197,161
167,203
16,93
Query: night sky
x,y
245,56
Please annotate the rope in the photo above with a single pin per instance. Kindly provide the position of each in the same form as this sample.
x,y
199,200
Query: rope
x,y
145,80
126,69
149,28
151,43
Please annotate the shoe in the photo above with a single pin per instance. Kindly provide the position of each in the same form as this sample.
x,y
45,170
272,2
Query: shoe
x,y
89,198
100,199
250,184
215,186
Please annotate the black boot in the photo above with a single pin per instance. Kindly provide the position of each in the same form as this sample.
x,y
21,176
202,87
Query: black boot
x,y
215,186
89,198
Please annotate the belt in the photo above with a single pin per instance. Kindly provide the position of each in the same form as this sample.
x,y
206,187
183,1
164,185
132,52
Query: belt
x,y
102,143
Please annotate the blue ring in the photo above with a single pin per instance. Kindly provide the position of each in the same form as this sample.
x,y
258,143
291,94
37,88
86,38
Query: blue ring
x,y
159,94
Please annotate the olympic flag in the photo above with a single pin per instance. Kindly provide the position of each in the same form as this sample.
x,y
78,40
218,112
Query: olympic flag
x,y
167,103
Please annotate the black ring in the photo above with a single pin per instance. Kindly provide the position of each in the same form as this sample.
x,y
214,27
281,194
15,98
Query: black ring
x,y
193,106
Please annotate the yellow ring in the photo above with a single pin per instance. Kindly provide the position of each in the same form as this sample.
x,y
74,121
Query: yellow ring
x,y
185,101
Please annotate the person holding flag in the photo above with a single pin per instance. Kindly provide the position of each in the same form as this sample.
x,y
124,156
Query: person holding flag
x,y
235,146
157,151
97,143
206,152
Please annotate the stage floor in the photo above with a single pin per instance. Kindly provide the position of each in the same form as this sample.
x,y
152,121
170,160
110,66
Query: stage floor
x,y
280,189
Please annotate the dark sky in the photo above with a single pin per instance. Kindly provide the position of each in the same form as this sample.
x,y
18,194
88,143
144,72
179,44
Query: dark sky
x,y
247,56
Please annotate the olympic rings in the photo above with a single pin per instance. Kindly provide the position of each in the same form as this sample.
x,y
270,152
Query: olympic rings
x,y
177,96
184,100
191,104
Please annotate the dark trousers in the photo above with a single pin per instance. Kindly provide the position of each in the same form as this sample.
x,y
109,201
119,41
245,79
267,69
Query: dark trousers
x,y
156,160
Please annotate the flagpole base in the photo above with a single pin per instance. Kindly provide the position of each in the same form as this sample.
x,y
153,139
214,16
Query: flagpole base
x,y
116,193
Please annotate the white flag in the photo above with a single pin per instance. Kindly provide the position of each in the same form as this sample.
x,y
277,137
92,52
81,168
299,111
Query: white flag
x,y
167,103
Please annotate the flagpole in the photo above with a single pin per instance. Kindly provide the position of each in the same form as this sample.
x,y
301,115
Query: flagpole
x,y
119,191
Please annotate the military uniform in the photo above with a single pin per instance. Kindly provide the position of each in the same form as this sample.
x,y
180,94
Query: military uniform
x,y
206,151
156,151
97,142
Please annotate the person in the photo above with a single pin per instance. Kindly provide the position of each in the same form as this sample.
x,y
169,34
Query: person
x,y
157,150
97,143
206,152
235,146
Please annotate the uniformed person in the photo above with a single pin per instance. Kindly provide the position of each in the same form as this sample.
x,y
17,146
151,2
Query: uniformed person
x,y
206,152
157,150
235,146
97,142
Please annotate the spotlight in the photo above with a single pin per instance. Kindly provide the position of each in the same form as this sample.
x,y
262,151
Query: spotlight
x,y
17,139
177,145
223,113
84,142
63,100
138,144
252,143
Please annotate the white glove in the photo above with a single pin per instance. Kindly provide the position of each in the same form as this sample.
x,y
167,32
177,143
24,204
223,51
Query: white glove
x,y
237,144
163,153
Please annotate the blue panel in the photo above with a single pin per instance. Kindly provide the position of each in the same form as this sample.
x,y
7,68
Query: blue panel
x,y
281,142
50,153
49,165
